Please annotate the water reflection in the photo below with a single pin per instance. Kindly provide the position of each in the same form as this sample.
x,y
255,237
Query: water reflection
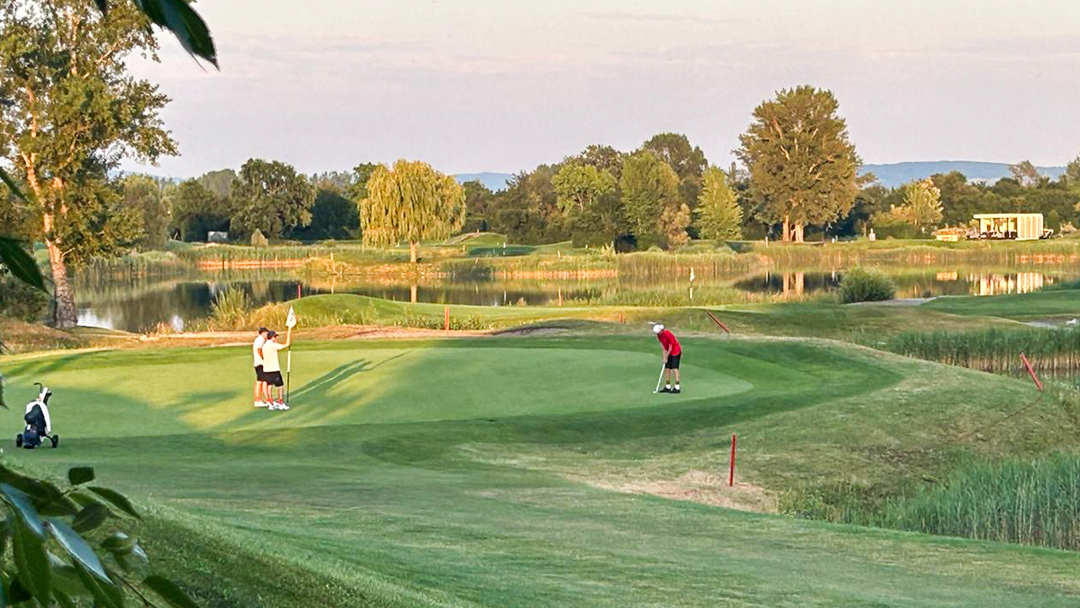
x,y
140,303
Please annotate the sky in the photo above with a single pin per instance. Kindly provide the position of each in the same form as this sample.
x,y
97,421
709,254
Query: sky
x,y
505,85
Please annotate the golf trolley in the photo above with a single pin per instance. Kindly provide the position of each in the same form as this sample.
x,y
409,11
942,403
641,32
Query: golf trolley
x,y
38,423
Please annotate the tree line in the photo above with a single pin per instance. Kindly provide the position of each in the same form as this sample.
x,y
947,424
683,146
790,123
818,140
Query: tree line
x,y
70,112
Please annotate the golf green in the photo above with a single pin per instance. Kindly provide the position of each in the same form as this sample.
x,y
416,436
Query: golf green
x,y
474,473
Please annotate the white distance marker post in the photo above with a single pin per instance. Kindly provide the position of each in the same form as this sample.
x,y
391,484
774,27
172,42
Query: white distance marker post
x,y
290,322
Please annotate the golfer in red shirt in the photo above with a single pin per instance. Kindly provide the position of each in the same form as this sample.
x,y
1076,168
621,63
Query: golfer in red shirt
x,y
672,356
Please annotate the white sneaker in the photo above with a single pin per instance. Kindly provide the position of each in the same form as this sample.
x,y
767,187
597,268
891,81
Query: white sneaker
x,y
261,404
282,407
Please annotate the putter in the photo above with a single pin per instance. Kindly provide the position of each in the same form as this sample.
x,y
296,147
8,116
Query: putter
x,y
659,380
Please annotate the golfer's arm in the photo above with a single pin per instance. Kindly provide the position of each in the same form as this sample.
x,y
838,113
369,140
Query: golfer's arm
x,y
288,338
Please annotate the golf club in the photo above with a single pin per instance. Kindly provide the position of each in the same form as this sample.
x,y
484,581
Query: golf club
x,y
659,380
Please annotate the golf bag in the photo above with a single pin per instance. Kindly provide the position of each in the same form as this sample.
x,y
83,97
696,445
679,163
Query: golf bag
x,y
38,422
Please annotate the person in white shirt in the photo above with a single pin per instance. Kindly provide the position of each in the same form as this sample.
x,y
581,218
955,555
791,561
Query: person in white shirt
x,y
262,397
272,367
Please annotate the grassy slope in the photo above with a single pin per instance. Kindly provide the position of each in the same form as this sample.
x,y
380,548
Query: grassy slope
x,y
1060,303
415,474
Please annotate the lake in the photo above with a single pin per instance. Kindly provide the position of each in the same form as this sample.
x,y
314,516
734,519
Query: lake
x,y
141,303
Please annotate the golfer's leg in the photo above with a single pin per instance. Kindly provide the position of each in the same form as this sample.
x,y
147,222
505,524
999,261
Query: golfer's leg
x,y
676,378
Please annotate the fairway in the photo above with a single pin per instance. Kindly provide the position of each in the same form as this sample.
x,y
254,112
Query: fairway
x,y
434,474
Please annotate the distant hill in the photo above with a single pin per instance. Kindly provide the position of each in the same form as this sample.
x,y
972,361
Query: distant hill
x,y
494,181
896,174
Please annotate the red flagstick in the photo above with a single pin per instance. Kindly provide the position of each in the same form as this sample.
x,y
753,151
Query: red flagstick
x,y
731,465
717,321
1031,370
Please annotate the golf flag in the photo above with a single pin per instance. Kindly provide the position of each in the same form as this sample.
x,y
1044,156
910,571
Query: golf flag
x,y
691,274
290,321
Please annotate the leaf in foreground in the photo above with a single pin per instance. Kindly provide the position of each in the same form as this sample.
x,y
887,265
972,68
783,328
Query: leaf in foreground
x,y
77,548
117,499
80,475
169,591
20,263
24,508
189,28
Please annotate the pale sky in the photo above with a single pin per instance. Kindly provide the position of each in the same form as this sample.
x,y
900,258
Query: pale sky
x,y
504,85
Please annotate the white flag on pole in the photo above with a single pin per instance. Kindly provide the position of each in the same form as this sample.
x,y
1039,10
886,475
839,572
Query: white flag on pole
x,y
290,321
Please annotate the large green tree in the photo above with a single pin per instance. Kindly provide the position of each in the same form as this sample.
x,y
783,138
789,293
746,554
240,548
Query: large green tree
x,y
528,210
271,197
142,196
410,202
70,113
687,160
333,215
719,214
196,210
357,189
588,199
220,182
802,165
479,201
650,194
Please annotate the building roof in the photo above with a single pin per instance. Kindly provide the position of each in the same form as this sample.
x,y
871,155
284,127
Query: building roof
x,y
988,216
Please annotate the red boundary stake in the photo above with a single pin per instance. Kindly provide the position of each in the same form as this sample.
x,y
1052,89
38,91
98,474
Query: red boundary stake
x,y
731,465
717,321
1031,370
446,317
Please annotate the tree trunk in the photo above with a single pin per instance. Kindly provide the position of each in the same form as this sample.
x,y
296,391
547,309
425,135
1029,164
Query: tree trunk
x,y
787,229
413,247
412,293
798,238
64,315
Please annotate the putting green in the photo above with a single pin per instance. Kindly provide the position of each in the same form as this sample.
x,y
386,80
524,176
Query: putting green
x,y
424,474
196,390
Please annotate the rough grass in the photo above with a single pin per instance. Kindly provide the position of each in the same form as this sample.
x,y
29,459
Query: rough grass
x,y
424,474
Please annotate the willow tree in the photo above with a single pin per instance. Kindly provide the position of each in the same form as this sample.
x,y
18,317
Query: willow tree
x,y
803,168
410,202
69,113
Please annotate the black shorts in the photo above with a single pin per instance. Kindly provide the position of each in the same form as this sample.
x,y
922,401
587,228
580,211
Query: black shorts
x,y
673,361
259,376
273,378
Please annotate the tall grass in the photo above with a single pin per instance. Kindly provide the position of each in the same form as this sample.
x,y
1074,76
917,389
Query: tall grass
x,y
663,266
1030,502
994,350
230,310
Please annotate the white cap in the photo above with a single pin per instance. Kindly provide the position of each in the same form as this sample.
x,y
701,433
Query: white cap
x,y
659,327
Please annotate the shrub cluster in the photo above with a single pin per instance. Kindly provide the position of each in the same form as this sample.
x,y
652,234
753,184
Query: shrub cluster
x,y
866,285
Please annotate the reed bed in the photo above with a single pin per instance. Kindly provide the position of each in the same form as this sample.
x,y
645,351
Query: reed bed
x,y
1030,502
664,267
995,350
1061,252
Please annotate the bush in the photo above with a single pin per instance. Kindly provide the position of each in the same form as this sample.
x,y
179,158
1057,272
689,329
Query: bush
x,y
866,285
230,310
